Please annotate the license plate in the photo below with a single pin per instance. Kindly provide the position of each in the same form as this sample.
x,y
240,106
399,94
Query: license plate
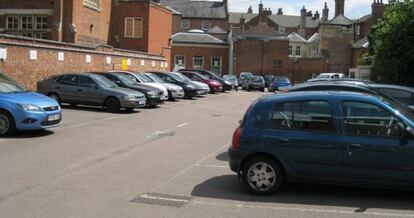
x,y
141,102
53,117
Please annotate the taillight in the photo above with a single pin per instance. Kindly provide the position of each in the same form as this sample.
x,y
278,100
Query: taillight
x,y
236,139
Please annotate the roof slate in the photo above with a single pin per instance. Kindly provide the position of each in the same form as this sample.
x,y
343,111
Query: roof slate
x,y
341,20
293,21
199,38
197,9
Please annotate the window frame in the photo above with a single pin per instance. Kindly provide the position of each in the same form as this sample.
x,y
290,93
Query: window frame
x,y
32,22
219,67
183,26
298,49
202,62
203,24
134,20
93,4
279,61
176,58
16,22
368,103
331,110
290,50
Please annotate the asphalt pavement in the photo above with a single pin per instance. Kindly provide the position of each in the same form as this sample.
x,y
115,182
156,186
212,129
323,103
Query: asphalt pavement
x,y
169,161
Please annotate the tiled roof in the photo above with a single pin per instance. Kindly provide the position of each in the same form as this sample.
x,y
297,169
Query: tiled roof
x,y
341,20
198,38
234,18
314,37
197,9
294,37
293,21
217,30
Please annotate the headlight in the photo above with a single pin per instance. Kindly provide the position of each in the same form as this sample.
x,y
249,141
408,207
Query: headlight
x,y
129,97
190,86
152,93
30,107
227,82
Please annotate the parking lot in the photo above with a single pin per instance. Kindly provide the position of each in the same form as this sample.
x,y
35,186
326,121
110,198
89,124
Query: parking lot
x,y
97,164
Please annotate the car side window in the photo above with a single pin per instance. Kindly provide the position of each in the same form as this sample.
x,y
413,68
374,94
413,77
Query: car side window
x,y
314,116
402,96
364,119
168,79
68,80
86,82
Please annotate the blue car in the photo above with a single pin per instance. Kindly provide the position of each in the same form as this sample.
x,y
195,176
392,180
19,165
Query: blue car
x,y
329,137
23,110
279,82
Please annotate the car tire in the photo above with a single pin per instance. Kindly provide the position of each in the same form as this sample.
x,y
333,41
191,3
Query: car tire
x,y
112,105
55,97
262,176
7,124
170,97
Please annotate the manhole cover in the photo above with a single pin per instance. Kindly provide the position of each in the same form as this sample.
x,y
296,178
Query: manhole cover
x,y
162,199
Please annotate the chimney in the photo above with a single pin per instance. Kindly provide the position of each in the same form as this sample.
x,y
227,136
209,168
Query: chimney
x,y
339,7
316,16
250,10
242,22
268,11
280,11
309,14
325,13
260,7
303,15
378,8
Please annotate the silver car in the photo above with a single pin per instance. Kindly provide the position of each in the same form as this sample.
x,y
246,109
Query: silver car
x,y
91,89
203,89
256,83
174,91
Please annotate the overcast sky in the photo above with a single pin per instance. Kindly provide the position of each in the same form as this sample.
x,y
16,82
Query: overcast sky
x,y
353,8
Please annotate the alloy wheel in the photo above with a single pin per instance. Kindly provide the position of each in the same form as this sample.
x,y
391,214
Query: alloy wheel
x,y
4,124
261,176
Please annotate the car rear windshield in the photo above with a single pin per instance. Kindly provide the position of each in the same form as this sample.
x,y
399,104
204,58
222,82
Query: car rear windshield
x,y
282,79
103,81
8,85
257,79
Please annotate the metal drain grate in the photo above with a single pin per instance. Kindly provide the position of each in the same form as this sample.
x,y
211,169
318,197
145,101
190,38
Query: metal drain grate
x,y
162,199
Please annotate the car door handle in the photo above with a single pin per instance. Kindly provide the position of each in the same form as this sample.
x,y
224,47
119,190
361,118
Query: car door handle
x,y
283,141
354,146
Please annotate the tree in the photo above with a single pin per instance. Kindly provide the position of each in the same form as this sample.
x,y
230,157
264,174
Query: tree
x,y
392,44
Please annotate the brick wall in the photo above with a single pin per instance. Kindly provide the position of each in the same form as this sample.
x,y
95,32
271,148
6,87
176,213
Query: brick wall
x,y
19,66
160,28
206,51
257,56
196,23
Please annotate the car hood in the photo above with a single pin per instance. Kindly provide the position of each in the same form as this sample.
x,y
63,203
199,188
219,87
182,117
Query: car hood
x,y
144,88
125,91
157,85
29,98
171,86
200,85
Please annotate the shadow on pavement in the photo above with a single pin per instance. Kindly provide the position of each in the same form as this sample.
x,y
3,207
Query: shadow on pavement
x,y
223,156
97,109
229,187
31,134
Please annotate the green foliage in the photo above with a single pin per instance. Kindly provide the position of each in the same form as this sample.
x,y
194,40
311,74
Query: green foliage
x,y
366,59
392,41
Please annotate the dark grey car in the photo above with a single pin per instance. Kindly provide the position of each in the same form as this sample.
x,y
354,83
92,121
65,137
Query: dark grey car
x,y
256,83
90,89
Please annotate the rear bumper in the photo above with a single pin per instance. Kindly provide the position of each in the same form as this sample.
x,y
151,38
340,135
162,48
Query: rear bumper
x,y
236,159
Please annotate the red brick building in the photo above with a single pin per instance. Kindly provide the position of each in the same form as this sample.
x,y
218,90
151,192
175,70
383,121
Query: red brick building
x,y
141,25
198,50
74,21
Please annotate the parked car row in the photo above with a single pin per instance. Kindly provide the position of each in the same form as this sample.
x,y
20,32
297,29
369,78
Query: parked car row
x,y
248,81
113,91
340,131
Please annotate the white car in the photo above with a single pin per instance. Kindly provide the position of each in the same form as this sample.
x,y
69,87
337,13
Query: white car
x,y
141,78
174,91
204,88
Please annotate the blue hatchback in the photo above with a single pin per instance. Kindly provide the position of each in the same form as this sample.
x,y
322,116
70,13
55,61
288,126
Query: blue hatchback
x,y
279,82
344,138
23,110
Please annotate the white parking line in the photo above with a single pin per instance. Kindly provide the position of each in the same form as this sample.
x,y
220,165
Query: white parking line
x,y
212,166
167,131
182,125
165,199
302,210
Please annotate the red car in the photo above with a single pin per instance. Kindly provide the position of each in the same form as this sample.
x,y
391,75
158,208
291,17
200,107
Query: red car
x,y
214,85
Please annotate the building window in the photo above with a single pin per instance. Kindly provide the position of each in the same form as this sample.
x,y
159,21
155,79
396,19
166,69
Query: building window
x,y
12,22
277,63
298,51
26,22
133,27
205,25
185,24
179,60
94,4
41,22
40,35
216,65
290,50
27,34
198,62
358,30
282,29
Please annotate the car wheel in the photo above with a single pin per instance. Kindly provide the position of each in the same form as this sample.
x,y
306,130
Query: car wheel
x,y
112,105
55,97
7,125
170,97
262,176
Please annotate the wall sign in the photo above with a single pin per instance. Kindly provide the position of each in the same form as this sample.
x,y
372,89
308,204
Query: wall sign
x,y
33,54
142,63
3,53
88,58
61,56
108,60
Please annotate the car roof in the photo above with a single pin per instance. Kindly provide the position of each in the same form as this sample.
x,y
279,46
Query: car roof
x,y
333,84
305,95
378,86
